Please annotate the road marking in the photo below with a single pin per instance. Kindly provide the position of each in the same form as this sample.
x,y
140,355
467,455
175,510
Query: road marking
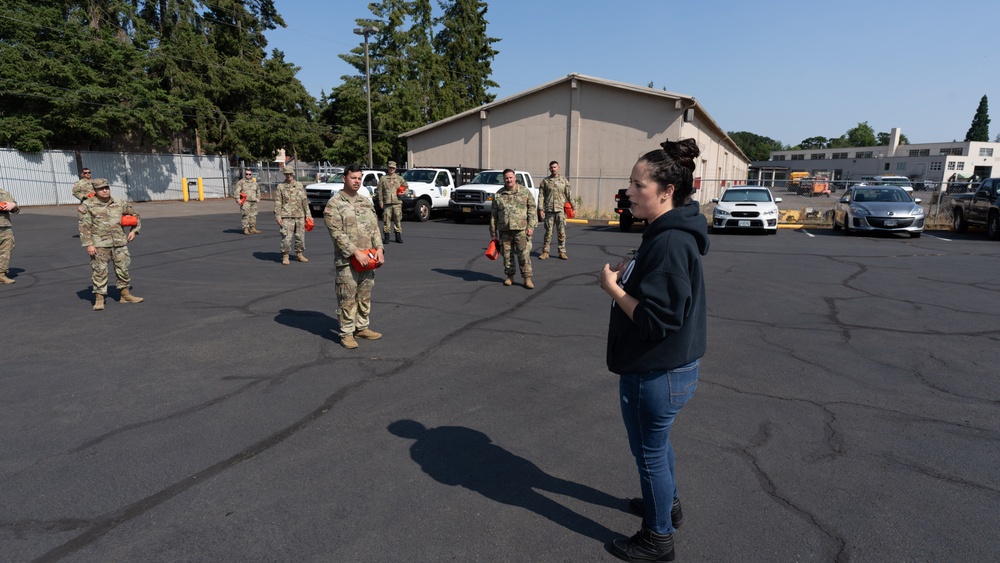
x,y
939,238
810,235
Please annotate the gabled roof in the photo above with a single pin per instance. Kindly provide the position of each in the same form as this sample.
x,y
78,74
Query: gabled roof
x,y
688,102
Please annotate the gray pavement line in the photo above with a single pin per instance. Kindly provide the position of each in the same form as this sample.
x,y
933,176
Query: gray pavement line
x,y
106,523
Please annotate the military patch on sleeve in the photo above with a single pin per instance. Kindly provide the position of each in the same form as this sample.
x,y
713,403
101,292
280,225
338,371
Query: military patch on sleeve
x,y
82,209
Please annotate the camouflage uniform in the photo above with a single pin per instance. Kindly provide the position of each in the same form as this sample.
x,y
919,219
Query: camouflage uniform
x,y
353,225
513,212
249,207
101,227
553,193
83,189
392,207
291,207
6,235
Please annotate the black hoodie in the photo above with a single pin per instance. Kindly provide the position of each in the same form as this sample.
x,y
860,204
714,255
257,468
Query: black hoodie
x,y
665,275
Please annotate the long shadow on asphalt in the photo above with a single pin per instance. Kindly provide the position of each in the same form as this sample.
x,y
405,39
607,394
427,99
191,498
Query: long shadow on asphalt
x,y
268,256
459,456
468,275
314,322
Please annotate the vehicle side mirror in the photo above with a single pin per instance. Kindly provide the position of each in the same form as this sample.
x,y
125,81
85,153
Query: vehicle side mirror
x,y
844,200
917,200
777,200
715,200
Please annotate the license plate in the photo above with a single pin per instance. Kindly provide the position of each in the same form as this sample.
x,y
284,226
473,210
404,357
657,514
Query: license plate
x,y
744,223
466,210
890,223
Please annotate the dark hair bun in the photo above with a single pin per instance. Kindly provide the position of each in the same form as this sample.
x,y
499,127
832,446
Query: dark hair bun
x,y
683,152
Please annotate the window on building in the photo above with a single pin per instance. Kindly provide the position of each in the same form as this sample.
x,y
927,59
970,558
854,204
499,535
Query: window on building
x,y
959,166
985,152
885,166
920,152
900,166
798,157
863,154
936,166
951,166
957,151
778,157
817,156
840,155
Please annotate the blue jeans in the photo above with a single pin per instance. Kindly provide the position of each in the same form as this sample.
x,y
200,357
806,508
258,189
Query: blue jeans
x,y
650,401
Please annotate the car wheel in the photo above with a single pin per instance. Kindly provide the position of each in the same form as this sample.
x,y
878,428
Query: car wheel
x,y
422,210
459,218
836,225
959,223
847,224
915,235
625,223
993,226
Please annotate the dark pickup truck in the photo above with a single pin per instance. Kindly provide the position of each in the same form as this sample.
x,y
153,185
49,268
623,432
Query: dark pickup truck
x,y
979,209
624,211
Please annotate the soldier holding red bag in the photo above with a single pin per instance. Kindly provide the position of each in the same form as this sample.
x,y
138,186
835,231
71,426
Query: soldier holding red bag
x,y
247,193
390,187
102,220
7,206
353,226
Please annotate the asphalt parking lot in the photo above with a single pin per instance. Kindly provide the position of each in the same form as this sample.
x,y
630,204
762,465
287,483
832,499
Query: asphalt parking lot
x,y
847,409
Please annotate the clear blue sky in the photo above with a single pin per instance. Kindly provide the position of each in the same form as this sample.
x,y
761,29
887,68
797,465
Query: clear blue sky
x,y
785,70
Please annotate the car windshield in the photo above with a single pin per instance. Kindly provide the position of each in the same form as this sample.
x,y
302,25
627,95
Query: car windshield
x,y
488,178
337,178
425,176
886,194
746,195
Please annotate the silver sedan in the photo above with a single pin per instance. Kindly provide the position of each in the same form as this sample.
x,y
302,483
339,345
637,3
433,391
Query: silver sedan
x,y
879,208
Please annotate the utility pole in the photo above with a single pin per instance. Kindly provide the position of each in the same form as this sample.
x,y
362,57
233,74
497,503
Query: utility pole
x,y
366,31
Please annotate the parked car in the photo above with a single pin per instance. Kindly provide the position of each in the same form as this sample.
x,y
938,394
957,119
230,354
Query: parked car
x,y
623,207
878,209
321,192
745,208
979,209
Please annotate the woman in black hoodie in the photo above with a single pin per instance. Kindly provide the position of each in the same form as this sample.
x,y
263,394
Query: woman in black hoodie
x,y
657,334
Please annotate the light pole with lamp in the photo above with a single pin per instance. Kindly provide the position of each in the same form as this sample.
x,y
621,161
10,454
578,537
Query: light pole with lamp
x,y
366,31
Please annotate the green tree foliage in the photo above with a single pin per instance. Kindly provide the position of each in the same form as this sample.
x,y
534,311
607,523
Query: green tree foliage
x,y
127,74
883,139
861,136
814,143
755,146
980,128
466,52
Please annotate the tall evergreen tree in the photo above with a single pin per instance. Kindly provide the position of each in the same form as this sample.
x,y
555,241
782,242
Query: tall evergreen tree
x,y
466,53
980,128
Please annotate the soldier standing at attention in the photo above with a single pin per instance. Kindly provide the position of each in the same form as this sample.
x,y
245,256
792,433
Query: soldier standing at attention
x,y
553,195
353,227
247,193
291,207
102,233
512,220
7,206
392,207
83,188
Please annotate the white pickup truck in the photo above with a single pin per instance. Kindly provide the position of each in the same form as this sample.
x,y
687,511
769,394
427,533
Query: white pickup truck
x,y
428,189
320,193
475,199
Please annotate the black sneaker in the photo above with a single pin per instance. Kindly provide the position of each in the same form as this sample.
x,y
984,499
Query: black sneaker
x,y
645,545
676,514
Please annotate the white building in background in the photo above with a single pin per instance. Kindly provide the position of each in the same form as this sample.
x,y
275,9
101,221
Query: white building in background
x,y
926,164
595,128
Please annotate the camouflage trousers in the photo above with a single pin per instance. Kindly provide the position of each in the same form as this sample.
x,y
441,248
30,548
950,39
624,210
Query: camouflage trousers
x,y
392,214
249,211
354,299
99,266
6,246
512,242
555,220
293,227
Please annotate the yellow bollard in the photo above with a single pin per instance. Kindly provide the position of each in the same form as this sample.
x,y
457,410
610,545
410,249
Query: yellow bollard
x,y
184,188
201,190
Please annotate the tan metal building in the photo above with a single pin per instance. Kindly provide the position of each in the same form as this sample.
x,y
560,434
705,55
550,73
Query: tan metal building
x,y
595,128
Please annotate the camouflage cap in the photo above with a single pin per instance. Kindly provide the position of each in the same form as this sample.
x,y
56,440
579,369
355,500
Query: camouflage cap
x,y
100,183
391,164
288,170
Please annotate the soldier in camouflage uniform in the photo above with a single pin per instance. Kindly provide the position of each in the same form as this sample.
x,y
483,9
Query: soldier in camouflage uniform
x,y
553,194
392,207
83,188
102,234
353,227
248,207
291,207
512,220
7,206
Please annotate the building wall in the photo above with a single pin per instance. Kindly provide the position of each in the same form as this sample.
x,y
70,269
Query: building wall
x,y
596,130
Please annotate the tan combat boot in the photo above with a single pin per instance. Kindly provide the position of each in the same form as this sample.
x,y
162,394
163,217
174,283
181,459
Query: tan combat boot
x,y
98,302
284,258
348,342
544,255
301,257
508,281
253,230
368,334
246,231
528,284
127,297
5,280
562,255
